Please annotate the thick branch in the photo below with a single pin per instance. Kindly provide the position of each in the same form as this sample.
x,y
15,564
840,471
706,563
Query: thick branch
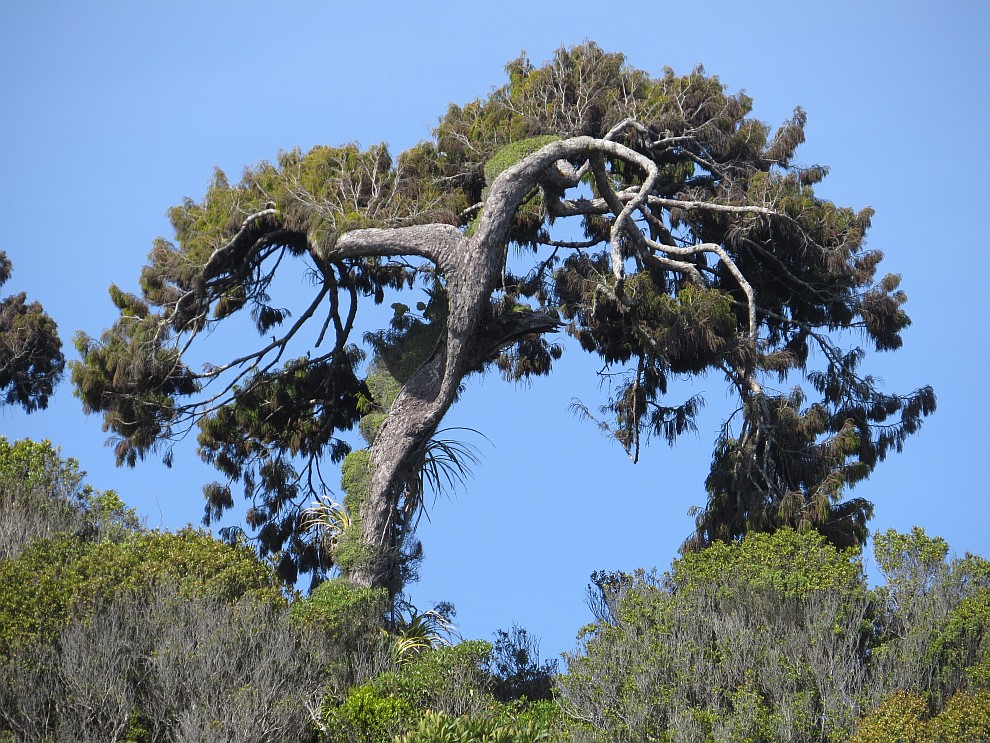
x,y
435,242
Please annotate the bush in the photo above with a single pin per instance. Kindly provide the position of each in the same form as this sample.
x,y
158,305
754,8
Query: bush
x,y
901,718
79,621
42,495
160,665
435,727
448,687
348,618
904,718
367,715
932,617
57,579
760,640
965,719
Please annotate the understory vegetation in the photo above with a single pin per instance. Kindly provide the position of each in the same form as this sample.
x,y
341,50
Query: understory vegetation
x,y
112,632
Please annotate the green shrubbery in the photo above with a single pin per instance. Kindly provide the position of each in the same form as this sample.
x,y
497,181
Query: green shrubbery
x,y
42,494
905,717
434,727
113,633
778,637
441,692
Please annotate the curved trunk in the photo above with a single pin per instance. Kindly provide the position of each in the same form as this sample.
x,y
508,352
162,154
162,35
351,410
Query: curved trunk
x,y
417,412
471,268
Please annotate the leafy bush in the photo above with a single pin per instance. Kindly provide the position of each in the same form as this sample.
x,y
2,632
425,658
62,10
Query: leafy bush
x,y
764,639
437,689
899,719
367,715
340,608
435,727
348,618
42,494
904,718
160,665
57,579
932,616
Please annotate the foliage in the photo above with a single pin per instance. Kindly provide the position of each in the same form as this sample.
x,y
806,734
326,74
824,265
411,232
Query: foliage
x,y
339,607
112,633
760,640
966,717
516,667
422,631
448,679
904,718
933,615
149,636
705,249
367,716
39,466
440,691
435,727
777,637
55,580
42,494
900,719
160,665
788,563
31,360
349,619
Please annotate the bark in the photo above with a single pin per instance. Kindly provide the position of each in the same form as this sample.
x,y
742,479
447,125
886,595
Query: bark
x,y
471,267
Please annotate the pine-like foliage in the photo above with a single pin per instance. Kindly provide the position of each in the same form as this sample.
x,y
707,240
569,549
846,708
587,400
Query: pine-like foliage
x,y
704,249
31,360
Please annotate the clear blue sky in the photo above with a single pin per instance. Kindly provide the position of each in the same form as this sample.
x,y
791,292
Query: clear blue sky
x,y
113,111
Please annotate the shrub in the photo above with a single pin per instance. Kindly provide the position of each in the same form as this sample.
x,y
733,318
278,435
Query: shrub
x,y
904,718
42,495
759,640
434,727
57,579
160,664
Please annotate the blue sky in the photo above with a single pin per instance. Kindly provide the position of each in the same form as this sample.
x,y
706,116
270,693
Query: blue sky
x,y
110,112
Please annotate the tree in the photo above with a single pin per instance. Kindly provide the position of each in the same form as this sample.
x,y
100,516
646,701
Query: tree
x,y
704,248
31,360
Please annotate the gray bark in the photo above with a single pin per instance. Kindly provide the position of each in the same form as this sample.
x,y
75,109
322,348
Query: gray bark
x,y
471,267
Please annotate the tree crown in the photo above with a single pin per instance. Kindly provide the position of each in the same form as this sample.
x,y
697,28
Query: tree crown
x,y
698,244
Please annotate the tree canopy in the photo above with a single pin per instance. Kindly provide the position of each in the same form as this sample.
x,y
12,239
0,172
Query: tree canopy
x,y
31,360
651,218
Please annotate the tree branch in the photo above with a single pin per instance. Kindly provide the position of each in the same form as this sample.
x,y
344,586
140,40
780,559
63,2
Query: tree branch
x,y
435,242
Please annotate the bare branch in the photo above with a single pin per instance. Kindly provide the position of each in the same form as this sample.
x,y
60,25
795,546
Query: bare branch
x,y
435,242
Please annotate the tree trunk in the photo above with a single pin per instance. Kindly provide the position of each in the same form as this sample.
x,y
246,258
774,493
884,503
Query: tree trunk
x,y
471,267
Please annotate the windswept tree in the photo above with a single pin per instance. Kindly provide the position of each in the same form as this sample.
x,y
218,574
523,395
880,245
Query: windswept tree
x,y
31,361
651,218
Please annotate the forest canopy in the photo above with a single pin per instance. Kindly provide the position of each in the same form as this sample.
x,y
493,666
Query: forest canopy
x,y
651,218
